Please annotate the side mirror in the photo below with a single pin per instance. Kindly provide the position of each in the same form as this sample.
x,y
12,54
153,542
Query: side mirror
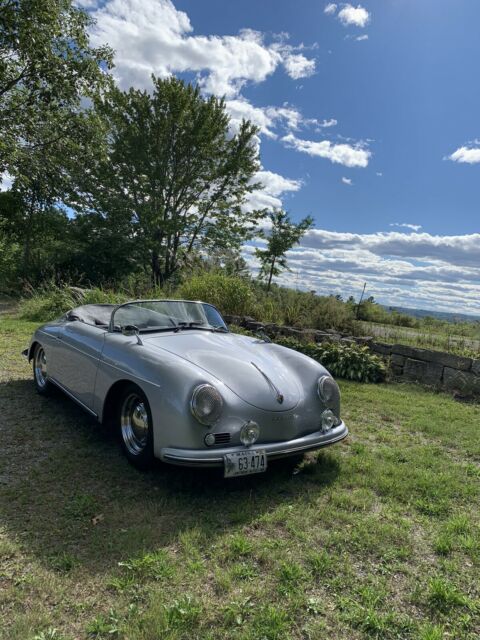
x,y
131,330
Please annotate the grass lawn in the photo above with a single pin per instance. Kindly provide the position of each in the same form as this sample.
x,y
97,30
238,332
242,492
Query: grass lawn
x,y
377,537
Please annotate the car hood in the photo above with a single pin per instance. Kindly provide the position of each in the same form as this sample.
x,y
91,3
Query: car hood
x,y
252,370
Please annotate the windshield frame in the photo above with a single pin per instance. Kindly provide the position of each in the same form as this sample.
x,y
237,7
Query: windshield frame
x,y
111,326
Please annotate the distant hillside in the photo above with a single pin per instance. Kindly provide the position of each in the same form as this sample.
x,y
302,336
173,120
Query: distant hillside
x,y
440,315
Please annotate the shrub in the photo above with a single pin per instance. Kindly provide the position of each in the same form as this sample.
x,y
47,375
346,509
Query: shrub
x,y
349,361
232,295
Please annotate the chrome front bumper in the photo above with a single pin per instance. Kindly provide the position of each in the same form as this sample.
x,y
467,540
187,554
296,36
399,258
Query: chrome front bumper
x,y
214,457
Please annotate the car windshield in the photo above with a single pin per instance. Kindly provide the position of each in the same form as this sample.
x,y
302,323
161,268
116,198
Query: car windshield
x,y
161,315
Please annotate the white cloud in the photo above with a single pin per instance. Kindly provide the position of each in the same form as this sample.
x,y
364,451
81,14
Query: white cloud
x,y
469,155
345,154
152,36
325,124
379,174
406,269
361,38
347,181
298,66
406,225
240,109
330,9
274,186
267,119
356,16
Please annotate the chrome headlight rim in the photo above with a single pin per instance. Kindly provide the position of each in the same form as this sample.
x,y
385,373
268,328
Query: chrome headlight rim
x,y
249,433
333,397
209,420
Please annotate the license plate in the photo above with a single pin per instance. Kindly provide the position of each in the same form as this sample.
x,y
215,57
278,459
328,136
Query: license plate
x,y
242,463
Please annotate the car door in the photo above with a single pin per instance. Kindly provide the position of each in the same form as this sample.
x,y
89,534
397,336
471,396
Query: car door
x,y
77,354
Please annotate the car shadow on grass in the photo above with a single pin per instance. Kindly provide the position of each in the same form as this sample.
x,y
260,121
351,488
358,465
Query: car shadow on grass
x,y
70,498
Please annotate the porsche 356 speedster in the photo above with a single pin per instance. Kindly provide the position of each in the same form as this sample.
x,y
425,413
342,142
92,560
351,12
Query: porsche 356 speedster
x,y
177,385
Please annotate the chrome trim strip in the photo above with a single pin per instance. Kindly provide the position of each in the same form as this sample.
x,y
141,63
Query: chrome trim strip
x,y
271,384
72,397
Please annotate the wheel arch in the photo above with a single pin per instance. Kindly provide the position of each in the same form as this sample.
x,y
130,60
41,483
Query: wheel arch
x,y
112,397
31,349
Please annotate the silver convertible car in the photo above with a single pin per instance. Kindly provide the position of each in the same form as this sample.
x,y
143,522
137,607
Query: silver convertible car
x,y
177,385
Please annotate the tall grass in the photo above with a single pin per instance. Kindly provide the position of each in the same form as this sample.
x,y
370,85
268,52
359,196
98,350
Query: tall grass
x,y
53,301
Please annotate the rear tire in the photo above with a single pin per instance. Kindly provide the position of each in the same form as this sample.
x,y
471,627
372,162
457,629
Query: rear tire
x,y
40,374
135,427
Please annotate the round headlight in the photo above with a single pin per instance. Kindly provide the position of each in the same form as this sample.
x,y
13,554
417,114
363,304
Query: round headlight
x,y
328,390
206,404
249,433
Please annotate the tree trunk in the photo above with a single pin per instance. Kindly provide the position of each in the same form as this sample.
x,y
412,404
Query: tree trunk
x,y
155,275
270,275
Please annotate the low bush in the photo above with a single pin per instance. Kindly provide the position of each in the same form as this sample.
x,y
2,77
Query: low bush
x,y
231,294
343,360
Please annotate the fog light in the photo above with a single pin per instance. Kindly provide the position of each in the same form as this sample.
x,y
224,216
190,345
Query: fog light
x,y
328,420
209,439
249,433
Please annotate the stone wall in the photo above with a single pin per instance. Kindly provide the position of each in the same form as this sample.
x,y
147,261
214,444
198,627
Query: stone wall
x,y
456,374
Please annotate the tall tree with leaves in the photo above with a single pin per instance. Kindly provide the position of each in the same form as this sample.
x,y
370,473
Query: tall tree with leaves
x,y
283,235
47,67
174,178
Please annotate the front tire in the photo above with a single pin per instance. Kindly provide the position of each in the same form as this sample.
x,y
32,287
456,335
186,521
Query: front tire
x,y
135,427
40,374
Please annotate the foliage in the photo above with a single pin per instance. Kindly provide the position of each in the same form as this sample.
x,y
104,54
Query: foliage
x,y
173,179
343,360
46,67
283,235
53,301
232,295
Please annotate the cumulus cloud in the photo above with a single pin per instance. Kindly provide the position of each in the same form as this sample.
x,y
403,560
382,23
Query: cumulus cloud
x,y
274,186
345,154
347,181
407,269
298,66
330,9
268,119
406,225
356,16
468,155
361,38
152,36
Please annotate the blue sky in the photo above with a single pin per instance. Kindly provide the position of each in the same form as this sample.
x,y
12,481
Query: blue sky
x,y
369,117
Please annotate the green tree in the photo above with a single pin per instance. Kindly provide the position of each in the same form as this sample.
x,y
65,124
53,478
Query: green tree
x,y
284,234
174,178
47,67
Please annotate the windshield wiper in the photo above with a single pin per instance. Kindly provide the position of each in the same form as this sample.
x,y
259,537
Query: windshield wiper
x,y
155,329
202,326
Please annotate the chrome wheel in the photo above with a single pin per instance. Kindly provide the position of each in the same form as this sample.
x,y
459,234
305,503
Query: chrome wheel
x,y
134,424
40,368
